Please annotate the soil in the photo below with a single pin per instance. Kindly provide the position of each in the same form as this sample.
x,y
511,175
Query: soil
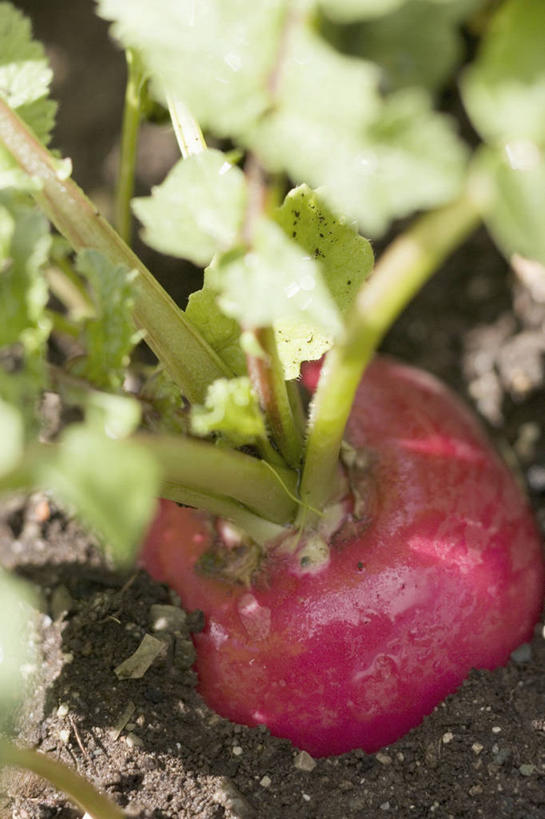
x,y
150,742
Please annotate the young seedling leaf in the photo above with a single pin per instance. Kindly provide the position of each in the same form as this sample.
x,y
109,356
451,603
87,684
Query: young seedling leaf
x,y
277,267
215,55
24,83
220,331
16,653
110,335
504,90
374,160
112,485
197,211
345,258
516,188
232,411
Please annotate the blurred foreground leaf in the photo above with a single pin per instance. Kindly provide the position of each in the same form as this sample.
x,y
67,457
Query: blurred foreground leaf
x,y
16,651
198,209
111,484
504,90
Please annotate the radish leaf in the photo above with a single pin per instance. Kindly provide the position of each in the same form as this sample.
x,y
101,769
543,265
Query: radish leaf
x,y
198,209
215,55
219,330
504,90
374,160
24,84
516,186
277,266
111,484
345,260
16,650
418,44
231,409
24,327
110,334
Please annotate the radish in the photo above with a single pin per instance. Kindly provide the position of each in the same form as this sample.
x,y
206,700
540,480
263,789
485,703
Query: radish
x,y
434,568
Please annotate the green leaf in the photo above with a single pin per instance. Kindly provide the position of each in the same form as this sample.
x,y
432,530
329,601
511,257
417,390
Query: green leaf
x,y
111,484
418,44
16,651
219,330
24,327
515,187
344,11
163,404
198,209
232,410
504,90
374,160
11,435
117,416
345,257
275,280
24,84
24,73
109,336
24,248
215,55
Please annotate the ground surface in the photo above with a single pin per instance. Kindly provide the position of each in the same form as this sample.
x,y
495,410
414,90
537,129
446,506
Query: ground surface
x,y
151,743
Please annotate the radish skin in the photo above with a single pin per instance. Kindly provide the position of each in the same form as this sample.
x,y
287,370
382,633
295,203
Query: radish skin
x,y
443,573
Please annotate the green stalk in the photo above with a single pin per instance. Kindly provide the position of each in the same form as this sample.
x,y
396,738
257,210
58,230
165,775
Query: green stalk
x,y
129,144
202,467
267,377
398,276
63,778
260,530
190,361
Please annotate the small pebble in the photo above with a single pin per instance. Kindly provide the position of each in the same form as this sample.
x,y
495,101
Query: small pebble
x,y
527,770
522,654
447,737
64,735
304,762
384,759
477,748
306,797
133,740
62,710
265,782
167,618
536,478
496,729
385,806
237,750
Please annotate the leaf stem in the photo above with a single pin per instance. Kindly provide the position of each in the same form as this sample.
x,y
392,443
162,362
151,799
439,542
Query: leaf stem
x,y
188,133
60,776
400,272
129,144
267,377
190,361
202,467
260,530
265,371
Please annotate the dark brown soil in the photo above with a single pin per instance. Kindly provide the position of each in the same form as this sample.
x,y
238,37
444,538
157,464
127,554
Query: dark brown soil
x,y
151,743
